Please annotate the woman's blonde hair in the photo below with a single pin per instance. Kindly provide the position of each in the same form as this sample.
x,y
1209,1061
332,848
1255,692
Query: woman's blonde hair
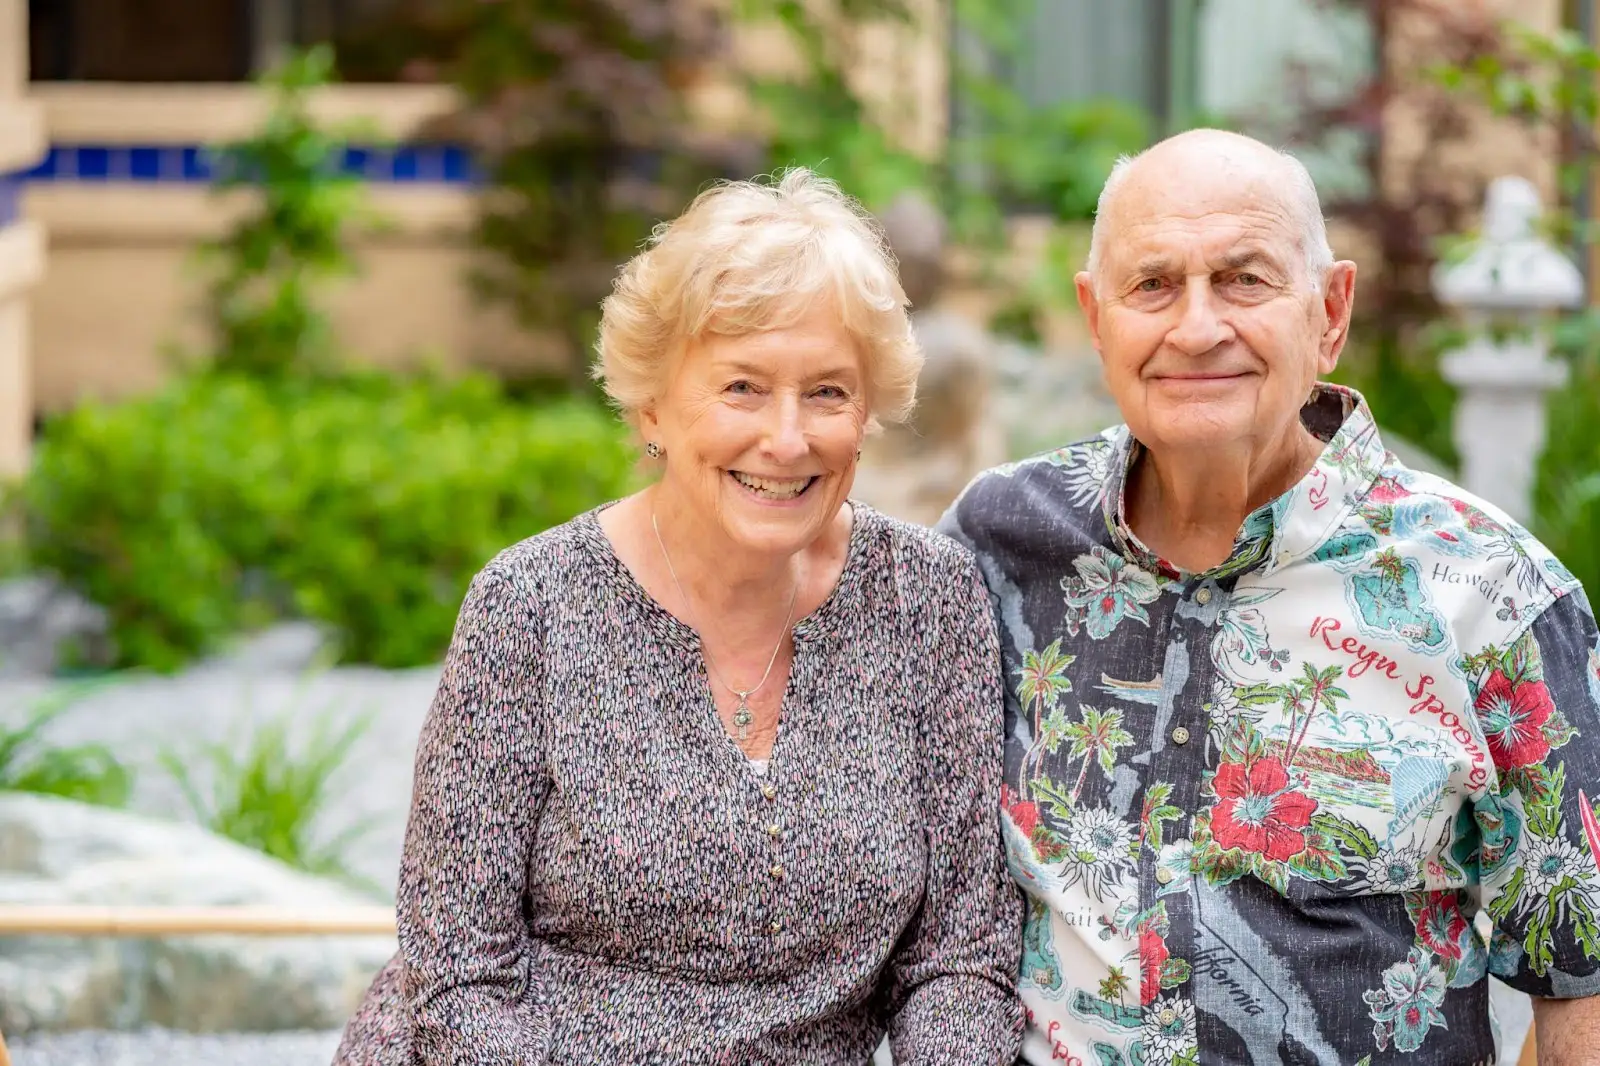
x,y
753,256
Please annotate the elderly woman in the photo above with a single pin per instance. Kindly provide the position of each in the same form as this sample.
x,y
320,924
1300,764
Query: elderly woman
x,y
712,775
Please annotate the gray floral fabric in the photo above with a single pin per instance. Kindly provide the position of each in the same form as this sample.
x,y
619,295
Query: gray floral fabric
x,y
594,873
1258,811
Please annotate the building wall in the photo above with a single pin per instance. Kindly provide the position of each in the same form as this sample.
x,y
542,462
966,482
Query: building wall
x,y
123,204
21,245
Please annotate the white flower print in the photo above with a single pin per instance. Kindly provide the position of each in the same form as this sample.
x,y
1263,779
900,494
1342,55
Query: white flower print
x,y
1395,870
1546,863
1088,465
1169,1031
1099,850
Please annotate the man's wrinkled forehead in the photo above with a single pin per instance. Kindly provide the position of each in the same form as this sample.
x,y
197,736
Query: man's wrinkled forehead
x,y
1211,219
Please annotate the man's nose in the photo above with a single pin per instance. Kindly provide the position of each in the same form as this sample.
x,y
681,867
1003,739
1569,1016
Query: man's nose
x,y
1200,327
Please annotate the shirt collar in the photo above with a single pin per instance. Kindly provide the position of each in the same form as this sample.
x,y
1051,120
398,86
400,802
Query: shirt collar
x,y
1293,525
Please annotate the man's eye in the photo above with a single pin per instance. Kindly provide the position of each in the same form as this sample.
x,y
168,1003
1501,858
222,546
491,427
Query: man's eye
x,y
1150,285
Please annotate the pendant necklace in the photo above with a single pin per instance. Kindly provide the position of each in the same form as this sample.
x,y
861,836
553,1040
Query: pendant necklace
x,y
741,715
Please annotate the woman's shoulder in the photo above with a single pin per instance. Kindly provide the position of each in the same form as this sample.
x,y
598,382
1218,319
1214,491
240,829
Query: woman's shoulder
x,y
549,563
924,555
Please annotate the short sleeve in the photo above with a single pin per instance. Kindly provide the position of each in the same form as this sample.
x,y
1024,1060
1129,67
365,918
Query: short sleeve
x,y
1538,856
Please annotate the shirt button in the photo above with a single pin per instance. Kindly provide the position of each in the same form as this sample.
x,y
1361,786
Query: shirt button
x,y
1164,876
1180,735
774,832
769,792
1203,597
1283,558
777,872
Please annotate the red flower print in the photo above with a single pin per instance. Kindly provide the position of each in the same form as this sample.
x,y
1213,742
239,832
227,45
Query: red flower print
x,y
1152,961
1025,816
1513,718
1256,811
1387,490
1440,924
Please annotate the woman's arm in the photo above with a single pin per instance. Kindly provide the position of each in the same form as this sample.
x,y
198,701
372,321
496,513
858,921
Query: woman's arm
x,y
954,998
476,800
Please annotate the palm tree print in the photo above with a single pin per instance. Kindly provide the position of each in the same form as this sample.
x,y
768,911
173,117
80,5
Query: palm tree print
x,y
1302,698
1097,736
1043,681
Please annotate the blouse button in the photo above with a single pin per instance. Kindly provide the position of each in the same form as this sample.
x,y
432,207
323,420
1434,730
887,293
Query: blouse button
x,y
775,927
769,792
777,872
773,831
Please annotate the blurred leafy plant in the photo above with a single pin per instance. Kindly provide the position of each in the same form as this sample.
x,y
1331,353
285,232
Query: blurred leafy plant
x,y
576,109
364,502
88,773
263,299
269,793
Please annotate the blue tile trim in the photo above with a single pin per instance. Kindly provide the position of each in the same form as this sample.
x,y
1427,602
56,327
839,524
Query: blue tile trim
x,y
10,200
411,164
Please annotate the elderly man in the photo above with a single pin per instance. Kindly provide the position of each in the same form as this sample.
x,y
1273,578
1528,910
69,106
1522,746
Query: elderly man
x,y
1284,717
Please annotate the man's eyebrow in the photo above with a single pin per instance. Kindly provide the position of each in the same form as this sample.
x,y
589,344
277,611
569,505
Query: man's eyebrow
x,y
1246,257
1153,266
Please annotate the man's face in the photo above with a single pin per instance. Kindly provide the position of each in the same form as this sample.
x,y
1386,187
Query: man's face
x,y
1209,329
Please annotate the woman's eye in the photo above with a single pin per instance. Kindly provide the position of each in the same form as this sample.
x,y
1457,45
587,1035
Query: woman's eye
x,y
1248,279
829,392
741,388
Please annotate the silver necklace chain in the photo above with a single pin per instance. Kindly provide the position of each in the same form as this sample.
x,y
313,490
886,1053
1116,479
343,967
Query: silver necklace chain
x,y
741,715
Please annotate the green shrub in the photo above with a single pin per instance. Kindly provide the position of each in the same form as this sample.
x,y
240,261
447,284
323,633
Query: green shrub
x,y
88,773
270,794
1567,493
365,502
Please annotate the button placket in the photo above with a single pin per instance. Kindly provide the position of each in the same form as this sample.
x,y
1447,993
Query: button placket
x,y
773,829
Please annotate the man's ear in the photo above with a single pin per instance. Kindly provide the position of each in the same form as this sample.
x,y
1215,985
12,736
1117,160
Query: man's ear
x,y
1090,302
1338,302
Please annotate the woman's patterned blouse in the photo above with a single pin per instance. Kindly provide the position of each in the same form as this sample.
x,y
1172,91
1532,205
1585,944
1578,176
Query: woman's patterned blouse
x,y
1257,810
593,872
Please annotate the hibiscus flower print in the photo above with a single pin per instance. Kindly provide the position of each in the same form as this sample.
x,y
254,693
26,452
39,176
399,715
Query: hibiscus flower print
x,y
1153,957
1257,811
1513,717
1408,1004
1106,590
1169,1032
1441,927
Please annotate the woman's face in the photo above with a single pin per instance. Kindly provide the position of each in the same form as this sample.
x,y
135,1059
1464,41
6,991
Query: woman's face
x,y
761,431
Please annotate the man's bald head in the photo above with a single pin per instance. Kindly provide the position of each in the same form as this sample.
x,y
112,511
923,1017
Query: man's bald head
x,y
1180,161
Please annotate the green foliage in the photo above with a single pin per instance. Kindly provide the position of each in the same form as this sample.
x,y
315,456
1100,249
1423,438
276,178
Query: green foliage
x,y
364,502
819,120
271,794
293,241
88,773
1547,81
576,107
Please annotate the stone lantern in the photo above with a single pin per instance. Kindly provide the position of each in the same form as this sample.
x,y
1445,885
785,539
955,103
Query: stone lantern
x,y
1506,288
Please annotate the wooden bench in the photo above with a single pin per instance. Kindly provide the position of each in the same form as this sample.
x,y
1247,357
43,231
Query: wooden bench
x,y
98,921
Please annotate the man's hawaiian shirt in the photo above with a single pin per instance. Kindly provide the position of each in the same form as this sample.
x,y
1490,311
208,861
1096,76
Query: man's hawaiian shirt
x,y
1257,810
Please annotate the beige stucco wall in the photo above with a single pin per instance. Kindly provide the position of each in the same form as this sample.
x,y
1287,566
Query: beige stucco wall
x,y
123,291
21,245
